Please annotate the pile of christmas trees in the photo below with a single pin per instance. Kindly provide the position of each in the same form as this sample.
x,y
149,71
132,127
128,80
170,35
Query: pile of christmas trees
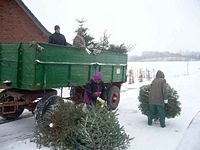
x,y
67,126
104,44
172,108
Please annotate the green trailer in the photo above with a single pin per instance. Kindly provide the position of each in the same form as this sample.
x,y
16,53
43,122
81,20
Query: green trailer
x,y
31,71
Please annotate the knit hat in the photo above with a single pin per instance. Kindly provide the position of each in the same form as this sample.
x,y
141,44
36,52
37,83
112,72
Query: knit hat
x,y
98,76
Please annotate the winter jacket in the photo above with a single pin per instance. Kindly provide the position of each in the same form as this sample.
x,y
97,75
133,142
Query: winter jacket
x,y
79,41
91,88
58,38
158,89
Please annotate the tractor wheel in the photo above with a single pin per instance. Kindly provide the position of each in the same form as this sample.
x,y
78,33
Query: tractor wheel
x,y
39,109
46,103
113,97
15,115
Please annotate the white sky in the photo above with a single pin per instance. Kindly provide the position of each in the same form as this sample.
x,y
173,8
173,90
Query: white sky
x,y
157,25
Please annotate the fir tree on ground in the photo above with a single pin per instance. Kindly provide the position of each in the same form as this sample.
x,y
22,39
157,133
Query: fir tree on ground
x,y
100,130
66,127
59,126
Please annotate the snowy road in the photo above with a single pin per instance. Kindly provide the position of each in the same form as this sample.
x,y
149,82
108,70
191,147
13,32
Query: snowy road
x,y
16,131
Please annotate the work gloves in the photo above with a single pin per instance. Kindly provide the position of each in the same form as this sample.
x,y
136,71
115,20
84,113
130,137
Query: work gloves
x,y
101,101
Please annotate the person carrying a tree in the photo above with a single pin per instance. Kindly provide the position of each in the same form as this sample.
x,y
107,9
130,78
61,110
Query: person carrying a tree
x,y
157,99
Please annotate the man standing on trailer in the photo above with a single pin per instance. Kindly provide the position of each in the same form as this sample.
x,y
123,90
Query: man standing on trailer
x,y
79,40
57,37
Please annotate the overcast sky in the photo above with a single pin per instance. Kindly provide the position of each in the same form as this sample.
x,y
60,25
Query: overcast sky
x,y
154,25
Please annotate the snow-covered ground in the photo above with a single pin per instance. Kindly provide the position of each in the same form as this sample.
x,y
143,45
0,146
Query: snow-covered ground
x,y
181,133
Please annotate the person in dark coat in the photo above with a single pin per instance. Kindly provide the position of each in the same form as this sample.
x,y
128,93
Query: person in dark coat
x,y
79,40
94,89
57,37
157,99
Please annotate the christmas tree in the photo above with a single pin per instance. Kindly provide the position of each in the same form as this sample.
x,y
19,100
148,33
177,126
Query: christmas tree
x,y
104,43
100,130
172,108
59,126
66,126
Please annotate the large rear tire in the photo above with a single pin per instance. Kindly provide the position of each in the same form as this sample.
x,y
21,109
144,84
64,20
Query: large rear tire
x,y
46,103
39,109
113,97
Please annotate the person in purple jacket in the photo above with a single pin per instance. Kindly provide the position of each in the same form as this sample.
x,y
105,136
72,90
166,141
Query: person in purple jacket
x,y
94,89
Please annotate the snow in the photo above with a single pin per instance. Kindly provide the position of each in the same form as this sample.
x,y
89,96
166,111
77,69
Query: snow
x,y
192,133
181,133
